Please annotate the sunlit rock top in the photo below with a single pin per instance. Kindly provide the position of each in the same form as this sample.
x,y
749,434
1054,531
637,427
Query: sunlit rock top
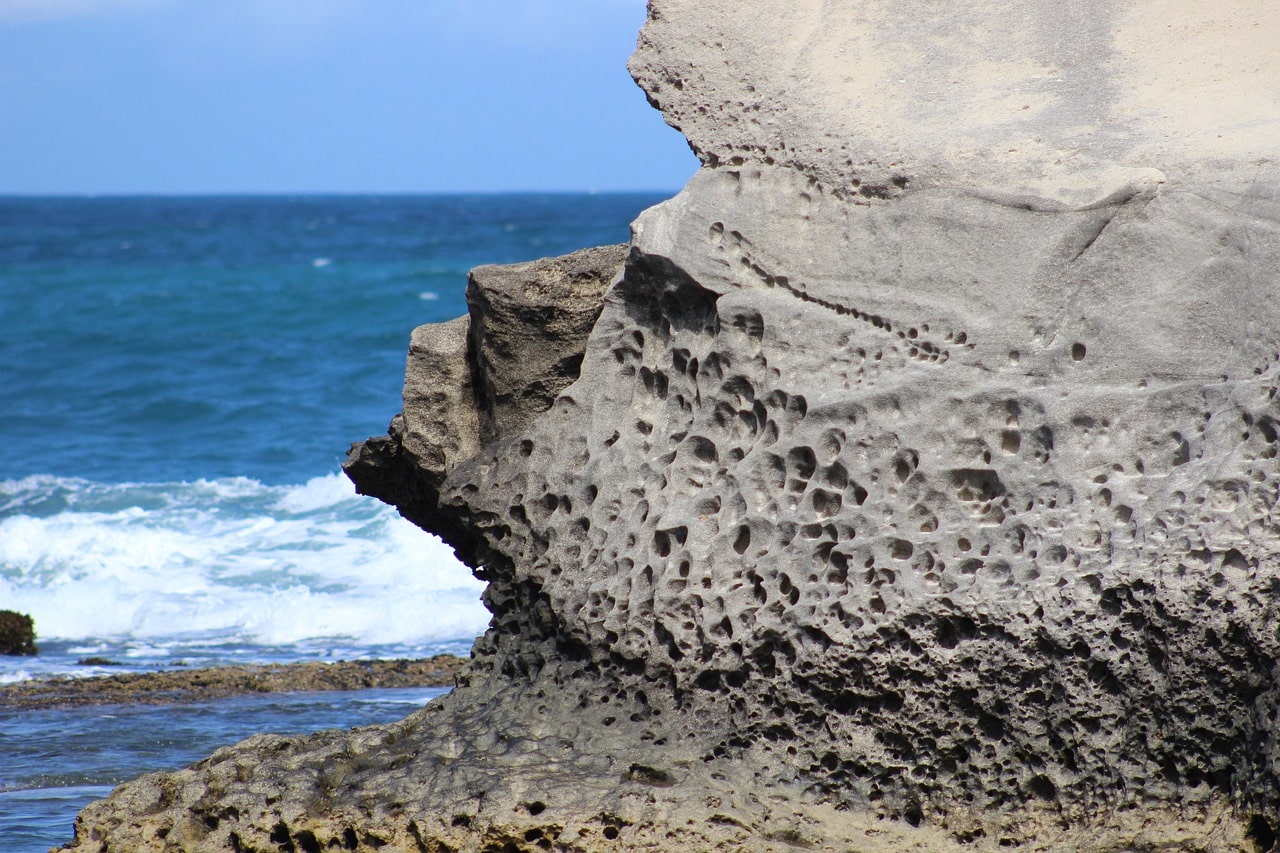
x,y
1064,102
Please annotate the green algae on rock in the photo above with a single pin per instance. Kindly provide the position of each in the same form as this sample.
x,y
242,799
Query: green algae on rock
x,y
17,634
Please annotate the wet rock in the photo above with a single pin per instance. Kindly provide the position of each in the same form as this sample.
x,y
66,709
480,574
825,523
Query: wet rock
x,y
17,634
94,660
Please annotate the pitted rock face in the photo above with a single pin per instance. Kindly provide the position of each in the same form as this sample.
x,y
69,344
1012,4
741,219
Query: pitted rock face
x,y
935,539
484,376
917,489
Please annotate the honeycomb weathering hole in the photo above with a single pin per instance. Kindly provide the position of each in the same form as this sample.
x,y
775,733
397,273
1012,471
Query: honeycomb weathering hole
x,y
1261,833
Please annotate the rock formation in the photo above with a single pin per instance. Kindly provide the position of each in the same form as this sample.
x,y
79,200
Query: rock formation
x,y
17,634
917,490
182,686
485,375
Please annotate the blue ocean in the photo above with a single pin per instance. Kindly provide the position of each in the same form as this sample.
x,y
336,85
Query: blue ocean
x,y
180,379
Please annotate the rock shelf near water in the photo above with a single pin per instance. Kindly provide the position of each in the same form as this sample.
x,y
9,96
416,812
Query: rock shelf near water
x,y
201,685
917,490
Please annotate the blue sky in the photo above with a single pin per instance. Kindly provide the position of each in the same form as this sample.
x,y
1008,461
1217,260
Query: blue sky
x,y
172,96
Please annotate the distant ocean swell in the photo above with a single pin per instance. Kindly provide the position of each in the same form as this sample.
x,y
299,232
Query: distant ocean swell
x,y
226,558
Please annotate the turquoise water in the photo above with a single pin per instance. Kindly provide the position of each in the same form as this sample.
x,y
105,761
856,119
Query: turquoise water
x,y
54,763
180,379
163,340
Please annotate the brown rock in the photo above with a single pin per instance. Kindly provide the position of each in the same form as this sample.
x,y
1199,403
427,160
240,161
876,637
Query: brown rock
x,y
529,327
201,685
484,376
17,634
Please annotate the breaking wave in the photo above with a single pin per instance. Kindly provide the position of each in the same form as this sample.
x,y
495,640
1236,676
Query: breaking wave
x,y
231,558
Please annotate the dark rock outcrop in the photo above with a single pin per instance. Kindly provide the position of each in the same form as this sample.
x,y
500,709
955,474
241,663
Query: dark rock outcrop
x,y
917,490
529,327
17,634
484,376
202,685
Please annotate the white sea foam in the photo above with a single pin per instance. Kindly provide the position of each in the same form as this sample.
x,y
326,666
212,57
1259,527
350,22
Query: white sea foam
x,y
232,558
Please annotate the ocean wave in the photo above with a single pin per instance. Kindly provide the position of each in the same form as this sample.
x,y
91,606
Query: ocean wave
x,y
230,557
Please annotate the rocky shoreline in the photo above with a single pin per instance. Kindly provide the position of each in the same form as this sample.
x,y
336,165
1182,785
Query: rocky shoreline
x,y
172,687
909,482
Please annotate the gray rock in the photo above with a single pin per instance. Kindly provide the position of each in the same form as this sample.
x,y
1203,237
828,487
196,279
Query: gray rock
x,y
918,489
485,375
529,327
1054,103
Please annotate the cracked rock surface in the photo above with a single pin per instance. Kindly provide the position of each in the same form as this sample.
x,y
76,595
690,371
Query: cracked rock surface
x,y
917,489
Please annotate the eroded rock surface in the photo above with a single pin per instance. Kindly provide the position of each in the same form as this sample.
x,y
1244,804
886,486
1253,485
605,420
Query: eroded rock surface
x,y
918,489
485,375
529,327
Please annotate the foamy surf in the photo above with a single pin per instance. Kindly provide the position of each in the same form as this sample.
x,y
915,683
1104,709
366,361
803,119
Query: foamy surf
x,y
165,565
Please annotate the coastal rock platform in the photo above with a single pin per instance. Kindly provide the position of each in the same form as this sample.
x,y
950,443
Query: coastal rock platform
x,y
913,485
177,686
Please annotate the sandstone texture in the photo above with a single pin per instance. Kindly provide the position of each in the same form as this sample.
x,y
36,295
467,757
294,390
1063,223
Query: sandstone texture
x,y
917,490
485,375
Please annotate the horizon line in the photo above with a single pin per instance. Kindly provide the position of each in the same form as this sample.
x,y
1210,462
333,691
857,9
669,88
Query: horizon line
x,y
6,194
